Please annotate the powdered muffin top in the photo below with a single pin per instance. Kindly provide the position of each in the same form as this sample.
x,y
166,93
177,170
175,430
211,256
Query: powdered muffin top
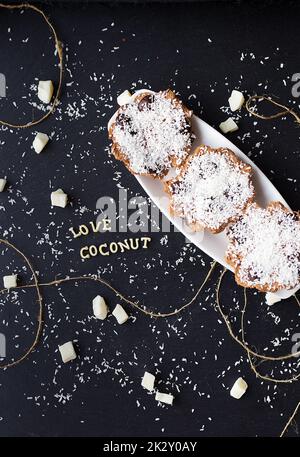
x,y
153,133
212,189
265,247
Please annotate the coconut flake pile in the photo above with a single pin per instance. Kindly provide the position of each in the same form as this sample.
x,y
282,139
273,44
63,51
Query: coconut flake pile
x,y
155,138
265,248
213,189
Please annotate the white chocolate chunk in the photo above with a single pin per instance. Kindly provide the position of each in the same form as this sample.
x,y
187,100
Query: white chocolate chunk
x,y
148,381
239,388
272,298
45,91
2,184
236,100
67,352
10,281
164,398
120,314
100,309
40,141
59,198
228,126
124,98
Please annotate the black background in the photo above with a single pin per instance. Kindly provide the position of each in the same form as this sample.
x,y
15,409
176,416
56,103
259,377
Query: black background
x,y
203,51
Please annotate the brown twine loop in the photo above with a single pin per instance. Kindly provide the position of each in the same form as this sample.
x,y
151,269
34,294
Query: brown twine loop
x,y
119,294
58,47
252,365
286,109
251,353
88,278
243,343
40,311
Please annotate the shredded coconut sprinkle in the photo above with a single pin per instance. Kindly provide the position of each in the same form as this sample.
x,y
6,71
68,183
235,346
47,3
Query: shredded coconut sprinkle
x,y
213,188
153,133
265,248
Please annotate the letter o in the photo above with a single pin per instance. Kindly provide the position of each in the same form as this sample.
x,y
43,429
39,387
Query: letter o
x,y
93,250
113,247
83,230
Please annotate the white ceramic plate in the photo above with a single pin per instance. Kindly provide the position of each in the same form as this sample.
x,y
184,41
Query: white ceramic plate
x,y
213,245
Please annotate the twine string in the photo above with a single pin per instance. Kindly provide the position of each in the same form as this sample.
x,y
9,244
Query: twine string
x,y
244,343
259,98
102,281
285,111
251,354
58,47
262,359
40,308
290,420
119,294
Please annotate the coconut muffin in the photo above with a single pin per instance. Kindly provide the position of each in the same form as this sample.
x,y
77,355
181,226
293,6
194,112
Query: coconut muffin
x,y
264,248
211,190
152,133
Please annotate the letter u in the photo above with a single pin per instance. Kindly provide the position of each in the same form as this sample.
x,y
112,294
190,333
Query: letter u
x,y
134,243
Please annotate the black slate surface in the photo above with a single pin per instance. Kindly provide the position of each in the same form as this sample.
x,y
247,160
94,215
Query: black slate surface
x,y
203,51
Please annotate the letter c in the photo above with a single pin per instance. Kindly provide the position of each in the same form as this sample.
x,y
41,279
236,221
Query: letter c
x,y
82,250
101,249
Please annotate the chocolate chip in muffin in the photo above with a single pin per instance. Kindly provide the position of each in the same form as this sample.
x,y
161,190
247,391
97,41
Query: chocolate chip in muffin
x,y
146,102
125,122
